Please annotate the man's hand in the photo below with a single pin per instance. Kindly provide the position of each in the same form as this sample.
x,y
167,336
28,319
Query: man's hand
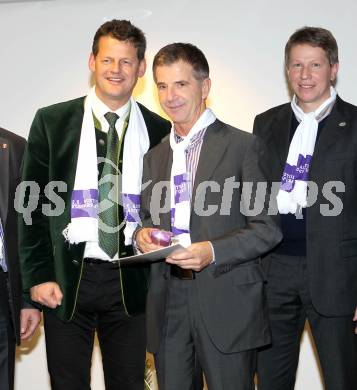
x,y
355,319
196,257
144,241
48,294
29,320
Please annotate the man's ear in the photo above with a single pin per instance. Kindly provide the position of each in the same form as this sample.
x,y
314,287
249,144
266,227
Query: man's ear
x,y
142,68
91,62
206,86
334,71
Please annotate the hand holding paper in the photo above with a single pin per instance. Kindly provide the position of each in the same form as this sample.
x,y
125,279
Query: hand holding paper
x,y
149,239
196,257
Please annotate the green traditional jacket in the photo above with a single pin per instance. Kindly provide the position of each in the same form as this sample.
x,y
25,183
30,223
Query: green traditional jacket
x,y
51,155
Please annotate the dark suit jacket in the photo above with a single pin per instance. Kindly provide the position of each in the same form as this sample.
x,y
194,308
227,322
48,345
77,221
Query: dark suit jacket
x,y
331,240
11,151
51,155
231,292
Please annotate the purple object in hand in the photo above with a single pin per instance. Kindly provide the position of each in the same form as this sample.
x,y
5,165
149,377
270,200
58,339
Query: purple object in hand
x,y
161,237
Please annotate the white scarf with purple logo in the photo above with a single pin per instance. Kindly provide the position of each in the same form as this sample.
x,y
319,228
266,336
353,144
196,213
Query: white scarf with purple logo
x,y
180,188
2,249
292,195
84,201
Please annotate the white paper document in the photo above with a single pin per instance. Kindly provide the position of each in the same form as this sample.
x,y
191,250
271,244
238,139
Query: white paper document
x,y
152,256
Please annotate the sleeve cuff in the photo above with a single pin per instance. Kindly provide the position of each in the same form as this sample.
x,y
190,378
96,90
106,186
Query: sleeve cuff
x,y
213,254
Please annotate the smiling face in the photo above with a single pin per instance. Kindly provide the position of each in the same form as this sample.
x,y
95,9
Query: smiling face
x,y
181,95
116,69
310,75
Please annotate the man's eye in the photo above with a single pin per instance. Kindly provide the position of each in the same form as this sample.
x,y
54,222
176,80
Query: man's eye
x,y
316,65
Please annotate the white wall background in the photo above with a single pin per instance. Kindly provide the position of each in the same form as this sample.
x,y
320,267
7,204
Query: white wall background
x,y
44,48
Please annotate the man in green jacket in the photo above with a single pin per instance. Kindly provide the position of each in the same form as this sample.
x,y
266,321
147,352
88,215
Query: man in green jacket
x,y
84,164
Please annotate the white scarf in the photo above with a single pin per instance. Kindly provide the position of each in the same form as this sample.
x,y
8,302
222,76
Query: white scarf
x,y
2,249
84,203
292,195
180,193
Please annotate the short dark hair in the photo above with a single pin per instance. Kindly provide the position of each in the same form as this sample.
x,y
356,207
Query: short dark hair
x,y
316,37
186,52
122,30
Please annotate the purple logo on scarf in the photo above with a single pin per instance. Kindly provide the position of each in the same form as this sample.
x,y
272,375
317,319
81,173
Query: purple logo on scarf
x,y
131,205
174,229
181,188
84,203
300,171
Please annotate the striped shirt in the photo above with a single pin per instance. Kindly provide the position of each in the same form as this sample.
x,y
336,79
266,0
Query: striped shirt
x,y
192,156
193,152
2,249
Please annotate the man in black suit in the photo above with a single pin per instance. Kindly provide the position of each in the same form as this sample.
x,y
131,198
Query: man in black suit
x,y
206,301
18,320
313,273
94,147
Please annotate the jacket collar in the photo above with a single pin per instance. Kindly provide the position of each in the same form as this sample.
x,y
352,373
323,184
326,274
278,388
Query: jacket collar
x,y
4,178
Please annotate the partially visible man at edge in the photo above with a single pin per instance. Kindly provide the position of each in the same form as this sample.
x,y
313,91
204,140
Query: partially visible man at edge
x,y
18,319
95,145
313,273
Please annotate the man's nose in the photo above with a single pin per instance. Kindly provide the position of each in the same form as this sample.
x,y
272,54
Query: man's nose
x,y
305,72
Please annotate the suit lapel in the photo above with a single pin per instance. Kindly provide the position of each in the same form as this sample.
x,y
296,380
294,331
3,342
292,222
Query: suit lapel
x,y
75,127
281,134
336,123
212,151
4,179
67,151
67,154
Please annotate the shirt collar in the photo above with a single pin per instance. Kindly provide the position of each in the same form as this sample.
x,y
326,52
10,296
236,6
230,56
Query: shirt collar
x,y
196,138
100,109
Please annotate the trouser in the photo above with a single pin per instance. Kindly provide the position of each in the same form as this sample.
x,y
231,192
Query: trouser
x,y
7,338
121,338
185,339
289,306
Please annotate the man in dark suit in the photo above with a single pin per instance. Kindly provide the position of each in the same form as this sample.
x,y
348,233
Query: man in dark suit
x,y
313,273
67,255
206,301
18,320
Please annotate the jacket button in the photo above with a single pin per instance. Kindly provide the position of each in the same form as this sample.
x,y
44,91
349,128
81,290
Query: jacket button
x,y
75,262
